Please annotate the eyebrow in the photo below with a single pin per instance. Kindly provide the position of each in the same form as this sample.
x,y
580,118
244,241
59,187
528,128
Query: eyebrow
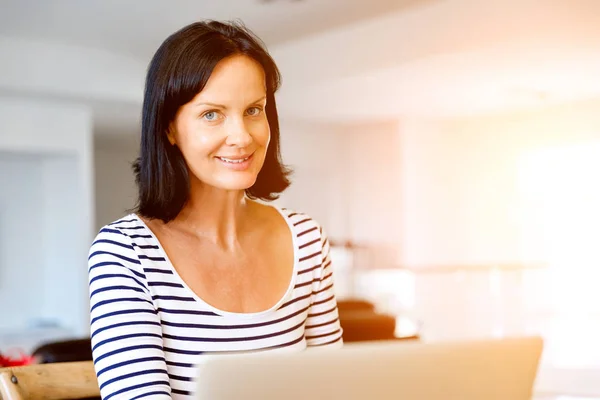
x,y
222,106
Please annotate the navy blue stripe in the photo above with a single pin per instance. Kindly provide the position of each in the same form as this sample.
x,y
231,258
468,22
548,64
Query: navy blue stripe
x,y
295,300
324,289
322,313
104,302
131,260
122,312
308,231
133,374
181,392
158,271
140,236
309,243
304,271
152,394
122,221
305,297
177,298
179,364
302,221
310,256
120,324
128,362
227,327
179,351
323,324
141,385
323,301
299,285
121,287
232,339
115,339
326,343
132,227
105,276
108,230
145,246
125,245
145,257
292,214
279,346
323,335
168,284
327,263
125,349
327,276
117,264
188,312
180,378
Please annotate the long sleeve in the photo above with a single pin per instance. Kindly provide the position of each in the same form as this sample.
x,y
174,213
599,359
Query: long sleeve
x,y
323,323
126,334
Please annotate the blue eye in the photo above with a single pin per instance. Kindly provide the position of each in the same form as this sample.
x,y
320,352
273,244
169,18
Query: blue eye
x,y
254,111
210,116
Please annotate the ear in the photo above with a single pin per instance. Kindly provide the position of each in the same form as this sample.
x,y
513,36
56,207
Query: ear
x,y
171,134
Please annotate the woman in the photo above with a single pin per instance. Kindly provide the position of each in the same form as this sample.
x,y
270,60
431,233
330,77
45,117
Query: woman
x,y
202,266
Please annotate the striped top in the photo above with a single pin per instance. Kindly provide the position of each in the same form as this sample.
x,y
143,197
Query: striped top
x,y
148,328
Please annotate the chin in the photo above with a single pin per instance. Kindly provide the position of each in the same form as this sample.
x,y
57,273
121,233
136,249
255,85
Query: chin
x,y
236,183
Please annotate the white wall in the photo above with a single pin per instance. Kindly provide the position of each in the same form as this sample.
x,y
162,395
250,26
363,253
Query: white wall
x,y
49,198
69,71
346,177
370,163
32,125
460,180
20,243
65,243
462,206
312,151
40,273
116,191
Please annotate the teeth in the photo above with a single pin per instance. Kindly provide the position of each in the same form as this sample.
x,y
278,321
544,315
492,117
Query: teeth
x,y
233,161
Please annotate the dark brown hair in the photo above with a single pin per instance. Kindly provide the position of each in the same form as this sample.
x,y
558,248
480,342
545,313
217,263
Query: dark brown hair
x,y
177,73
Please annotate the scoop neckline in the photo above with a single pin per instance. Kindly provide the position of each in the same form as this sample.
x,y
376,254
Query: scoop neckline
x,y
216,310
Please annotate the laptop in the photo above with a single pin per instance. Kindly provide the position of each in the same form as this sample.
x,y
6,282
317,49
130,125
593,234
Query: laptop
x,y
476,370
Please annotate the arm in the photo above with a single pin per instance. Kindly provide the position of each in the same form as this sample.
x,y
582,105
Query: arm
x,y
323,324
125,328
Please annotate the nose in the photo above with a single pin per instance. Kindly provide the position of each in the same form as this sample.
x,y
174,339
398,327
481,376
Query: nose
x,y
238,133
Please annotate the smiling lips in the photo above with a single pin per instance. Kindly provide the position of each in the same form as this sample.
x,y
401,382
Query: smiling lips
x,y
237,163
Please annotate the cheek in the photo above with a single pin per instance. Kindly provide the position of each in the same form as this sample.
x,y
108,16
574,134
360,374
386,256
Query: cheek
x,y
264,138
207,142
201,143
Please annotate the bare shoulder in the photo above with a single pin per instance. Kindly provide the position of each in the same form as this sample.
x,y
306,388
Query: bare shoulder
x,y
283,219
270,218
156,226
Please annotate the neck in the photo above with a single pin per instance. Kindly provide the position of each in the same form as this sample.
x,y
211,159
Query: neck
x,y
215,214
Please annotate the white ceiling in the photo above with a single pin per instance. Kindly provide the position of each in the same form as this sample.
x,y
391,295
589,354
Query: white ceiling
x,y
451,58
137,27
501,78
348,60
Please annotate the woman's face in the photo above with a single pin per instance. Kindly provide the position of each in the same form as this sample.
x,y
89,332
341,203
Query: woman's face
x,y
223,133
